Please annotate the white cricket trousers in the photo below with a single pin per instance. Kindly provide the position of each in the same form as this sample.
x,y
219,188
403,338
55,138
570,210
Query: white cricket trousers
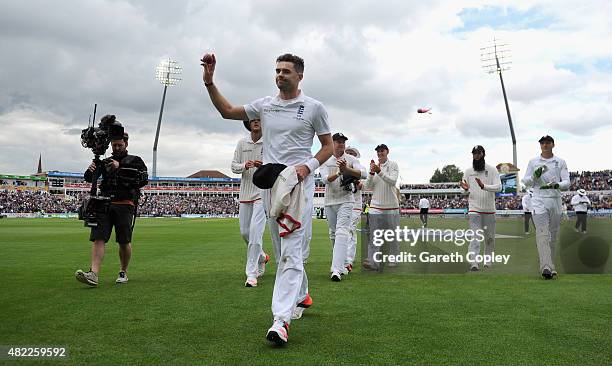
x,y
291,283
547,219
382,220
252,219
339,221
486,223
352,244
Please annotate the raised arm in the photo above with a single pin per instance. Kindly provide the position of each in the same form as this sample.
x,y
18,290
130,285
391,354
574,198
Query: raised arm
x,y
225,108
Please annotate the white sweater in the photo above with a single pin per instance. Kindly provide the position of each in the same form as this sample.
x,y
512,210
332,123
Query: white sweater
x,y
482,200
383,188
246,150
334,193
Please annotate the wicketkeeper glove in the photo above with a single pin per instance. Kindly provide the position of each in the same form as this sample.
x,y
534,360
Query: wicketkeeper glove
x,y
538,172
550,186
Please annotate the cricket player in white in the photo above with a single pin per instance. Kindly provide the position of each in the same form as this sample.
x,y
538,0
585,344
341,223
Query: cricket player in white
x,y
247,158
481,181
289,122
581,203
339,201
423,210
356,214
384,205
526,203
548,175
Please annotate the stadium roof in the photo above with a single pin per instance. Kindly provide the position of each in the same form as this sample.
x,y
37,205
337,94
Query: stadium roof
x,y
223,178
208,174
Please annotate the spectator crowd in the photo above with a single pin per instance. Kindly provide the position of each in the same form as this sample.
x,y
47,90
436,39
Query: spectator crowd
x,y
155,205
24,201
35,201
591,181
175,205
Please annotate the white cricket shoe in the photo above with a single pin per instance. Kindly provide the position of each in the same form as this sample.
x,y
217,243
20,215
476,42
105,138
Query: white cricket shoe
x,y
261,266
278,333
297,313
336,277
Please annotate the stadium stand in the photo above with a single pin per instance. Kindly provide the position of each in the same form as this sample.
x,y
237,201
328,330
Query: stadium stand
x,y
213,193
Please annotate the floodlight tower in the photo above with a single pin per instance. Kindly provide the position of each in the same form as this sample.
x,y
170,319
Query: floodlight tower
x,y
495,59
168,72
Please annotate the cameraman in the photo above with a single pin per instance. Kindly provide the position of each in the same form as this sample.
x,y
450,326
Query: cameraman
x,y
124,191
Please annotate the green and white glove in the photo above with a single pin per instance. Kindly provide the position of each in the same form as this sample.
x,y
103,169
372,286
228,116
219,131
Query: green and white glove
x,y
550,186
538,172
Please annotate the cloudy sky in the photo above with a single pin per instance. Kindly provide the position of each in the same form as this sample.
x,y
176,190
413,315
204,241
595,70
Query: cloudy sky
x,y
372,63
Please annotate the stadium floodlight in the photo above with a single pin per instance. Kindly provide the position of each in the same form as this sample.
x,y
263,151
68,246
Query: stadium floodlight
x,y
168,72
495,58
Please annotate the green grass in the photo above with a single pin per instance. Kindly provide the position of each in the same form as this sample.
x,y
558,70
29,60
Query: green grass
x,y
185,303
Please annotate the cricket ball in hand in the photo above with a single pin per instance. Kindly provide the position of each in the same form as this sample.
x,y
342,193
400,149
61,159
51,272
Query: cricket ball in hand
x,y
207,58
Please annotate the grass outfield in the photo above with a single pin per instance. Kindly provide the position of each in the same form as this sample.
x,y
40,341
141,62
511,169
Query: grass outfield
x,y
186,304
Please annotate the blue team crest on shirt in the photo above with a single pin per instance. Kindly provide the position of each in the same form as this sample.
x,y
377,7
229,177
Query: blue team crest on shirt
x,y
300,112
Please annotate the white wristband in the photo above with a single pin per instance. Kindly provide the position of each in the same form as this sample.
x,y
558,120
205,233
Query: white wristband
x,y
312,164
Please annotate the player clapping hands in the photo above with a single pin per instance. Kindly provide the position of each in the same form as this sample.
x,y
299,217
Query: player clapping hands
x,y
253,164
374,168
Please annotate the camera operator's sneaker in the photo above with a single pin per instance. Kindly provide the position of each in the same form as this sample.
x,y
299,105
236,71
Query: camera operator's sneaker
x,y
278,333
88,278
261,266
122,278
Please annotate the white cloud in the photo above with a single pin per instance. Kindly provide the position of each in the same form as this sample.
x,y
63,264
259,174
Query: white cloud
x,y
372,66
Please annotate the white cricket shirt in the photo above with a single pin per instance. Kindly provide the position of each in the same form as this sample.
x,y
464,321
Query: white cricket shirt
x,y
289,127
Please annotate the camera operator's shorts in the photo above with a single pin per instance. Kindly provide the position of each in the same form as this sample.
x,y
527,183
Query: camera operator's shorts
x,y
424,211
120,216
